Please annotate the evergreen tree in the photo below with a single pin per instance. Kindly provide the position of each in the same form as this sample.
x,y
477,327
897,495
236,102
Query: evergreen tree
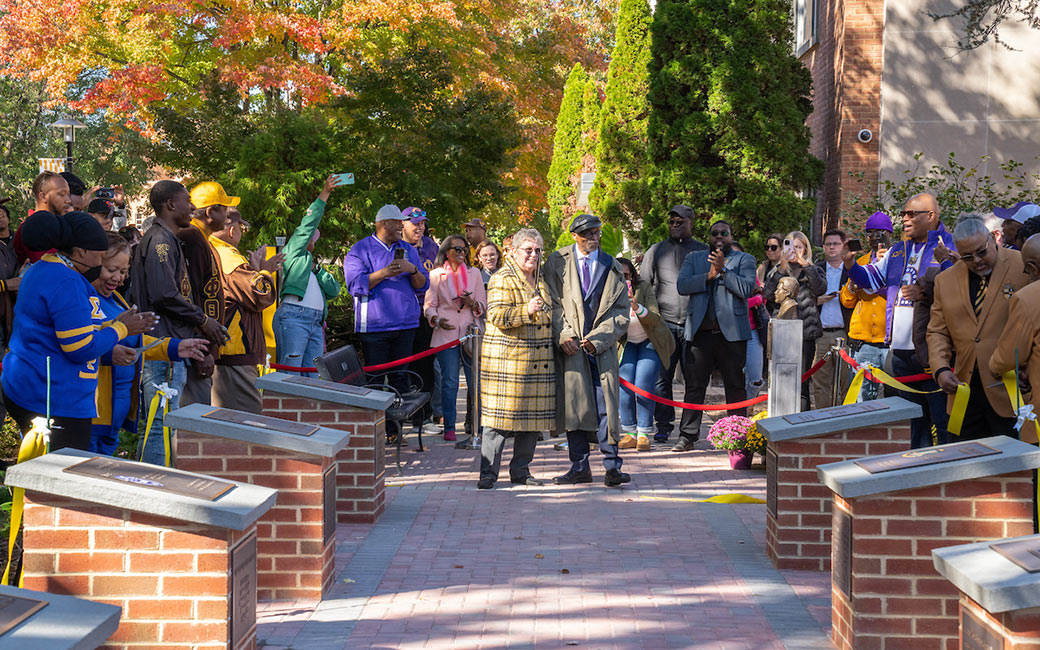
x,y
727,132
567,148
620,195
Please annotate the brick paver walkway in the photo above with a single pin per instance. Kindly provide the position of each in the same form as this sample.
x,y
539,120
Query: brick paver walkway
x,y
644,566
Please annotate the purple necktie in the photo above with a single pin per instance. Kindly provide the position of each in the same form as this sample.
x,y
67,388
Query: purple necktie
x,y
586,279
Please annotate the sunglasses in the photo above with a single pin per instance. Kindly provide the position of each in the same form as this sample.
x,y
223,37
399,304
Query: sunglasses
x,y
773,247
979,255
458,249
912,213
415,213
676,222
719,233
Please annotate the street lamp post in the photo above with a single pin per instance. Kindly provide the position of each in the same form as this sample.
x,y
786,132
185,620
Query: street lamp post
x,y
68,127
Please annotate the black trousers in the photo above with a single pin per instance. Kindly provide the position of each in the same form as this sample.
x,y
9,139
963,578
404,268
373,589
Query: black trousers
x,y
664,414
706,352
65,432
933,405
980,420
384,347
491,445
808,355
423,367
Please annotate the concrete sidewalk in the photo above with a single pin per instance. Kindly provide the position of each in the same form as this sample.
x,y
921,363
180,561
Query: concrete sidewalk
x,y
643,566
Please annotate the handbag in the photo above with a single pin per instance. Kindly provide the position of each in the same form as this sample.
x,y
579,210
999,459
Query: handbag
x,y
760,315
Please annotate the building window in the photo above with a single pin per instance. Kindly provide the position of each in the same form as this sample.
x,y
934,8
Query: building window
x,y
804,25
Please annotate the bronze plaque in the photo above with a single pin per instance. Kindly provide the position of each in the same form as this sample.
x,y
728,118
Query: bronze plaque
x,y
153,477
265,422
926,456
1025,553
243,588
841,551
976,635
327,385
15,609
329,504
771,470
835,412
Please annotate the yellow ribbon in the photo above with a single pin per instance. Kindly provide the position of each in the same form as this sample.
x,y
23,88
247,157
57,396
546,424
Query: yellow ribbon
x,y
889,380
960,408
153,408
34,444
721,498
855,387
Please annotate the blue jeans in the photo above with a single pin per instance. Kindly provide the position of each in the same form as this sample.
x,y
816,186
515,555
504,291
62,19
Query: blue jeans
x,y
753,366
298,331
875,356
449,363
175,374
641,366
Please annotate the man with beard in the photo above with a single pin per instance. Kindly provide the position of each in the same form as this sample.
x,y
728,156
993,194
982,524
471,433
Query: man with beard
x,y
589,316
660,267
719,283
969,311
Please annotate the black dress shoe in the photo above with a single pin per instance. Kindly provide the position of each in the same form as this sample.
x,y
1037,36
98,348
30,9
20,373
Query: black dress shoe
x,y
573,478
485,484
526,480
614,478
684,444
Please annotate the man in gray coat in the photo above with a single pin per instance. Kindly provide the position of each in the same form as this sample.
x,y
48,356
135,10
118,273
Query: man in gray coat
x,y
719,283
590,314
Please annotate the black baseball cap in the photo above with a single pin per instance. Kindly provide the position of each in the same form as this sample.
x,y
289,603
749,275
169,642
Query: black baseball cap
x,y
101,206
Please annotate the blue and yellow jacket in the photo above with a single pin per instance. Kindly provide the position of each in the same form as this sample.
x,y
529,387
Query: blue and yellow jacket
x,y
58,316
116,384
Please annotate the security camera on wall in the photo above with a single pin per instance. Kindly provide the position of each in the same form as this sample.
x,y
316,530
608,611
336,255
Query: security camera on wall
x,y
865,135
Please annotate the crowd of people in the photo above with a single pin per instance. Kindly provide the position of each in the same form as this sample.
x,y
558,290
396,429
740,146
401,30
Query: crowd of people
x,y
97,324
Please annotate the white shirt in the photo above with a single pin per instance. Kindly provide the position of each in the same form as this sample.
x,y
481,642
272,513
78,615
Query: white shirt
x,y
830,311
903,310
312,298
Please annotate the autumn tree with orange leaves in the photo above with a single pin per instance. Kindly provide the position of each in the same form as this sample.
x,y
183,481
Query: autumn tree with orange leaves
x,y
146,57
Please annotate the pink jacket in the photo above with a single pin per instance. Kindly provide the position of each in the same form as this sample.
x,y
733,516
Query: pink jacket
x,y
440,302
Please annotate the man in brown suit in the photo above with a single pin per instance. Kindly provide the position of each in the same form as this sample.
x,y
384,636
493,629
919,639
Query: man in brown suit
x,y
968,318
1020,343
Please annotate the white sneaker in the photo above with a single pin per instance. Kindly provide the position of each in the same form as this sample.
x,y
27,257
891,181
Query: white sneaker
x,y
430,427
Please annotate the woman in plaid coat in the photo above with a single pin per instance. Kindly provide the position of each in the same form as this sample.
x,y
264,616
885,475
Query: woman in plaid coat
x,y
517,376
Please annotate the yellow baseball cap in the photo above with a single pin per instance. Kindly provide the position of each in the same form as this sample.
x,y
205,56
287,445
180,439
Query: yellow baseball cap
x,y
210,193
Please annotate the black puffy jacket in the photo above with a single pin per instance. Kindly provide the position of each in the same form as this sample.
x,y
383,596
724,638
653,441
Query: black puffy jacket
x,y
812,283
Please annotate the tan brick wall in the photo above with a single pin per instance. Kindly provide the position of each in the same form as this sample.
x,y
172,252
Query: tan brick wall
x,y
360,471
170,578
799,536
898,599
293,562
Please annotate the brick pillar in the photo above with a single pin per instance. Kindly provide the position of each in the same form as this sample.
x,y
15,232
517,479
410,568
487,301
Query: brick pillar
x,y
1015,630
798,519
892,596
171,578
295,554
360,466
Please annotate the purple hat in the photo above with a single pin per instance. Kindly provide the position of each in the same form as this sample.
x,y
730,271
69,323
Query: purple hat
x,y
414,214
879,221
1009,213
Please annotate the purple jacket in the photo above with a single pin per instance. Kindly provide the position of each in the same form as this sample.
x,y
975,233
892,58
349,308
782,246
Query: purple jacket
x,y
887,272
392,304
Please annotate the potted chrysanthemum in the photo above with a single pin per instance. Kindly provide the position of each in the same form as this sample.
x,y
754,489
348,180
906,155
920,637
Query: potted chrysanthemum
x,y
740,437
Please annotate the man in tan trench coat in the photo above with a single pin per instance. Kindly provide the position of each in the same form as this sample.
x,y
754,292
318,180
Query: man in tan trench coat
x,y
590,314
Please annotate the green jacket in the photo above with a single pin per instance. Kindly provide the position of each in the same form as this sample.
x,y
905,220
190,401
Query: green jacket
x,y
299,263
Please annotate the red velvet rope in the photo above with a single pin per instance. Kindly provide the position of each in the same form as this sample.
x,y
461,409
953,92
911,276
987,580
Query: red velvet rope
x,y
381,366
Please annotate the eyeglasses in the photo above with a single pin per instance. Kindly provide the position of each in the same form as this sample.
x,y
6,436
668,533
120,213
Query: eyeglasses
x,y
773,247
676,222
530,251
980,255
458,249
719,233
415,213
912,213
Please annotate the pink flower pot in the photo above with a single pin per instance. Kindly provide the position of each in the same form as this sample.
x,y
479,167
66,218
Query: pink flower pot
x,y
740,458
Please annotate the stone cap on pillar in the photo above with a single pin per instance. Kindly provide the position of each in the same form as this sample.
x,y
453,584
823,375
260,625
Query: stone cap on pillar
x,y
236,509
988,577
849,480
327,391
65,623
251,429
835,419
